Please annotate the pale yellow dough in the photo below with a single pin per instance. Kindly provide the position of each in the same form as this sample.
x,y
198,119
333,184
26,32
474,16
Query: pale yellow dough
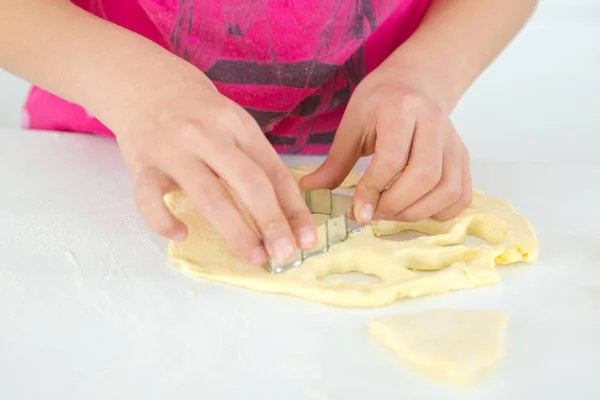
x,y
400,265
455,347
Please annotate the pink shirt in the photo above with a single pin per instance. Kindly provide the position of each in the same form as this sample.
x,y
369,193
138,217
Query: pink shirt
x,y
292,64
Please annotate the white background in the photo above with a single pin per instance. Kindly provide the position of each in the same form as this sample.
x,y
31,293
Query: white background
x,y
547,80
90,310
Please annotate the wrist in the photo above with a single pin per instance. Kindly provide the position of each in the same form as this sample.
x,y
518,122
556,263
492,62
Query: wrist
x,y
150,97
440,82
456,41
140,85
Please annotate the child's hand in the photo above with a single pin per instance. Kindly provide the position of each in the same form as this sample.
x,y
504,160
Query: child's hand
x,y
184,134
408,132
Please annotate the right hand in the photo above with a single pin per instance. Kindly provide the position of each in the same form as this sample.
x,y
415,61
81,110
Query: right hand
x,y
181,133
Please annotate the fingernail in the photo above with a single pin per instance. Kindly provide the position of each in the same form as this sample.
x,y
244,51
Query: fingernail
x,y
366,212
258,256
283,249
307,238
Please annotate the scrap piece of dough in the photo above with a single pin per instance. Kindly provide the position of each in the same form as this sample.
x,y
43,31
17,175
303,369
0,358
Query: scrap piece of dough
x,y
422,266
492,219
455,347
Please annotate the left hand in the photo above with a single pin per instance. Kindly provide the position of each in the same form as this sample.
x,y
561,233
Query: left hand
x,y
420,168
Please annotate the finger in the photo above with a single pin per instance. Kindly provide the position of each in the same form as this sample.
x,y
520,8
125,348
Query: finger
x,y
286,189
214,203
422,173
394,136
343,154
255,191
466,197
150,187
445,193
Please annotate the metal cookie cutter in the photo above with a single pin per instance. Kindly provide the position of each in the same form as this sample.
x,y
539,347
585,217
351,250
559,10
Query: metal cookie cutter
x,y
335,230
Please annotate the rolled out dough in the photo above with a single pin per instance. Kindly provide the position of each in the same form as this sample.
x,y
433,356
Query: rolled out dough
x,y
452,346
423,266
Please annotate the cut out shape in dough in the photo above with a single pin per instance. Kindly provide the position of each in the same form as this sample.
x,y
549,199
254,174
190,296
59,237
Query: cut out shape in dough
x,y
399,265
451,346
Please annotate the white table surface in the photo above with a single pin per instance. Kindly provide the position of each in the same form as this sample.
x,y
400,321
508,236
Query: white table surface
x,y
89,308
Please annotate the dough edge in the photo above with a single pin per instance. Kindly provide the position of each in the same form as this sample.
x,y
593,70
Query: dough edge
x,y
451,278
445,370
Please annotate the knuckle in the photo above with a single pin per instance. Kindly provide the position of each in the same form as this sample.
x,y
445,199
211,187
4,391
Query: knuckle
x,y
465,199
410,99
241,242
157,218
452,192
162,117
443,216
369,195
209,199
162,225
428,175
436,113
231,110
298,215
144,195
189,133
241,250
300,219
140,199
386,208
281,180
189,129
419,105
394,112
466,154
282,177
409,216
229,115
367,192
391,162
142,161
255,184
274,228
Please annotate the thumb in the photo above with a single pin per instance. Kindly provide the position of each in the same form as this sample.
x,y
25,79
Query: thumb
x,y
345,151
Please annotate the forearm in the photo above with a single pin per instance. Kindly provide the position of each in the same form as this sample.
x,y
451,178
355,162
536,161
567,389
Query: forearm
x,y
78,56
457,40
